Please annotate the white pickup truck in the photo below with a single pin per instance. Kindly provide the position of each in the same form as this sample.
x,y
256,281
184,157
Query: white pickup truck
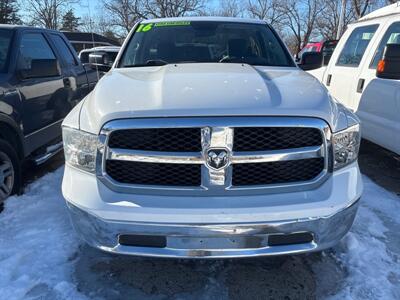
x,y
206,140
365,76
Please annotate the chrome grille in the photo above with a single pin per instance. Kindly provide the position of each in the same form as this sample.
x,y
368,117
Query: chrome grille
x,y
157,139
277,172
263,154
275,138
131,172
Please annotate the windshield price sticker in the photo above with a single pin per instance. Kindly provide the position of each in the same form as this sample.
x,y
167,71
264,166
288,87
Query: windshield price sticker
x,y
148,27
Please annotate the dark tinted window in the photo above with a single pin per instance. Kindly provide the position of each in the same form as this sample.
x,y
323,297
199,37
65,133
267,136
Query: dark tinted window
x,y
327,51
203,41
84,56
112,56
33,46
356,45
63,49
392,36
5,41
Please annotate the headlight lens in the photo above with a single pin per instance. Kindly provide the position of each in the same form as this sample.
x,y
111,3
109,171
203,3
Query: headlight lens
x,y
346,145
80,149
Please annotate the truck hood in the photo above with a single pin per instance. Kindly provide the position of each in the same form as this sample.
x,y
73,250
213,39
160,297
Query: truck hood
x,y
212,89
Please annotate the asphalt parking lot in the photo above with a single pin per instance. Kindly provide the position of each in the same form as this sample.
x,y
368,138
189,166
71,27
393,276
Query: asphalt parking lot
x,y
380,165
365,265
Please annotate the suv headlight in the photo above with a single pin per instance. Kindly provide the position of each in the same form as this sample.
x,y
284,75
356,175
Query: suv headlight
x,y
346,144
80,149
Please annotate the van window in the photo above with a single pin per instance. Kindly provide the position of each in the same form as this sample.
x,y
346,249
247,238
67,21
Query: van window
x,y
356,45
392,36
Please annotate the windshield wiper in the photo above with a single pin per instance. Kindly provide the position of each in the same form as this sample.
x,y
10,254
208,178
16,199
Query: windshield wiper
x,y
149,63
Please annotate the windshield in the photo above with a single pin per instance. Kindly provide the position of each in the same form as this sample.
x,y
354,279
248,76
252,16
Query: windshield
x,y
5,41
203,42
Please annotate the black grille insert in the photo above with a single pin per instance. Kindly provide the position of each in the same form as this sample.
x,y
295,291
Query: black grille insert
x,y
277,172
275,138
157,139
128,172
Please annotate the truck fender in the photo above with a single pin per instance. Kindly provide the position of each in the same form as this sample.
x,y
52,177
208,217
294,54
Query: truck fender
x,y
13,134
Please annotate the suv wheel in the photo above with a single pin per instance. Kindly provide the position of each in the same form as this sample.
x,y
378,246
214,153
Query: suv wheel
x,y
9,171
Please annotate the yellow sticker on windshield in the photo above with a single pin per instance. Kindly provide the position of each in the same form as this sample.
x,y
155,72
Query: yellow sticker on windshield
x,y
148,27
144,27
172,23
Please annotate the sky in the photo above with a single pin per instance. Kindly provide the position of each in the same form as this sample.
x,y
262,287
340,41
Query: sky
x,y
87,7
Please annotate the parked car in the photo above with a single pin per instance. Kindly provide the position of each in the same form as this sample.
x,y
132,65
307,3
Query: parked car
x,y
41,79
206,140
325,48
357,75
100,58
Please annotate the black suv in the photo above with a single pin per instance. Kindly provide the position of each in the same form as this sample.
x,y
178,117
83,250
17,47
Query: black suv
x,y
41,80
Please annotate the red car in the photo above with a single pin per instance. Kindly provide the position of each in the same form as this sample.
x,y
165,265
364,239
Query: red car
x,y
326,47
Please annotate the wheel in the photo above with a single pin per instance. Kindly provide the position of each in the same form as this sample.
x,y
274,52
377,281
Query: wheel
x,y
10,171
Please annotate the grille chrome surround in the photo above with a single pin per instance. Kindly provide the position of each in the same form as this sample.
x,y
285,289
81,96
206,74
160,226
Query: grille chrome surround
x,y
215,133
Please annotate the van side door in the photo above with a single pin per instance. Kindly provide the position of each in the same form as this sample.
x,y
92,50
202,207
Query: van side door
x,y
379,102
345,65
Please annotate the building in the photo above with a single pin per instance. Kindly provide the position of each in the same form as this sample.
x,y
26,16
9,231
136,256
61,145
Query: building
x,y
85,40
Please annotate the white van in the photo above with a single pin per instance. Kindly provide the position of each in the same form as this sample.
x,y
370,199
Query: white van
x,y
351,75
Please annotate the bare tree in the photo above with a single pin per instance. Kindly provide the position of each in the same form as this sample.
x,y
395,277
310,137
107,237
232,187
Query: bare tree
x,y
48,13
300,19
360,7
327,23
167,8
122,14
269,10
228,8
98,25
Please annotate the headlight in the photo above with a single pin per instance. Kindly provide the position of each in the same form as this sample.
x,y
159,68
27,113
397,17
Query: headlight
x,y
80,149
346,145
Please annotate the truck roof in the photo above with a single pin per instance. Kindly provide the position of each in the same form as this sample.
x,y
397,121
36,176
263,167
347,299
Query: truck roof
x,y
20,27
393,9
102,48
211,19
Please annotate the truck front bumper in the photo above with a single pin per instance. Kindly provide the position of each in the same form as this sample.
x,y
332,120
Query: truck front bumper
x,y
214,240
213,227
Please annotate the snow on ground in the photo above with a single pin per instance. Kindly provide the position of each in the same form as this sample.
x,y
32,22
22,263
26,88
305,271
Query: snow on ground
x,y
40,252
37,244
371,251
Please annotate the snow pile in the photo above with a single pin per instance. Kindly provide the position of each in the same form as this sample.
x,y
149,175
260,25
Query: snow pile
x,y
371,251
37,244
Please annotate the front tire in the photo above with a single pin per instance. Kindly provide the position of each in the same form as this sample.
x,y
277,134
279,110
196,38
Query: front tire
x,y
10,171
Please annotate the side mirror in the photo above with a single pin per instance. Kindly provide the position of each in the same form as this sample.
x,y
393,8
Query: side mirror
x,y
311,61
297,58
100,61
327,50
41,68
389,65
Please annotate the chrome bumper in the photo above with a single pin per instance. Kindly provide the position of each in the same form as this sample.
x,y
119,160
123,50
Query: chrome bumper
x,y
214,240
